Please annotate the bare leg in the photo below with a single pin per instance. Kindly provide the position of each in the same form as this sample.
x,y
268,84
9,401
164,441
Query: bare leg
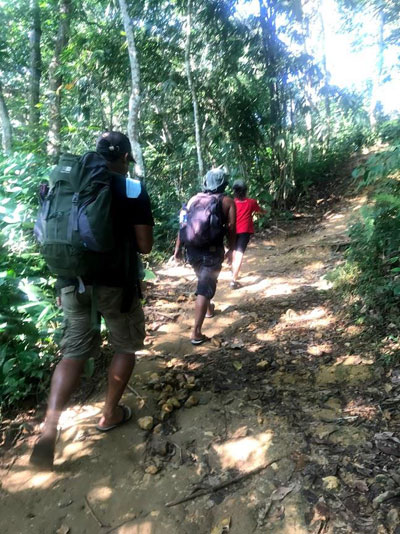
x,y
119,373
200,309
64,381
210,309
236,264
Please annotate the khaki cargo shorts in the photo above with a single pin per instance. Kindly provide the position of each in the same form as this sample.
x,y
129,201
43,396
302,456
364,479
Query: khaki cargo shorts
x,y
81,338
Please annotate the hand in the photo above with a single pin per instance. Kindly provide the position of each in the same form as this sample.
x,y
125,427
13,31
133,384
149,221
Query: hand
x,y
173,260
178,255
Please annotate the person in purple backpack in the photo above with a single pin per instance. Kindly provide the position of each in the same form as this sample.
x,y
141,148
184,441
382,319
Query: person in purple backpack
x,y
208,218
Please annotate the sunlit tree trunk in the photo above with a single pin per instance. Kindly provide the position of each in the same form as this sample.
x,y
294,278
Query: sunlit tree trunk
x,y
327,79
308,118
35,67
134,99
6,130
55,80
377,81
277,137
192,89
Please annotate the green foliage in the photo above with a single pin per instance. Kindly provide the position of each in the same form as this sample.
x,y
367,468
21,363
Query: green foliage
x,y
390,131
378,168
371,272
28,315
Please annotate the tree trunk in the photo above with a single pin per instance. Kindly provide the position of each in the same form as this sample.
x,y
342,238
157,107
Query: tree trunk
x,y
134,99
5,125
277,135
192,90
327,79
55,80
35,67
308,86
377,81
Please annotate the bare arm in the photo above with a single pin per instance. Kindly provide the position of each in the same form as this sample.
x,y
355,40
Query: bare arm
x,y
144,237
229,209
178,248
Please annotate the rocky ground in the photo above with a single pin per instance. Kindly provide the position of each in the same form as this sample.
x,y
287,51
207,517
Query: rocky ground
x,y
282,423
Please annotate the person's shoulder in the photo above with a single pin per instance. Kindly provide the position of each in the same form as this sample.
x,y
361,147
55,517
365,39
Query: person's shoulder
x,y
228,201
127,188
227,204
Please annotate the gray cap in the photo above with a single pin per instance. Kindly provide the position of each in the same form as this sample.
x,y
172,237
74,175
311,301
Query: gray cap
x,y
214,179
239,184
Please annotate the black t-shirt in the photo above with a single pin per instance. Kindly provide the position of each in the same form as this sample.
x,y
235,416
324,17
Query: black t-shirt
x,y
120,265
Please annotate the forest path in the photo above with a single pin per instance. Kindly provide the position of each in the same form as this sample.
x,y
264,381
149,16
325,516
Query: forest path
x,y
283,378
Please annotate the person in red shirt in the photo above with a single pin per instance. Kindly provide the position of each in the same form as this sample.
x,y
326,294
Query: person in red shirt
x,y
245,207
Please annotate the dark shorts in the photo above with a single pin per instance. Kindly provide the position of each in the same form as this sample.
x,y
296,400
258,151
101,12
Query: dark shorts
x,y
207,265
242,240
81,338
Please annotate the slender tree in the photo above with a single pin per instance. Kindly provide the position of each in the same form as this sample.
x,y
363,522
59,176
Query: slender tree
x,y
5,124
377,80
282,170
35,70
134,99
55,79
192,89
327,78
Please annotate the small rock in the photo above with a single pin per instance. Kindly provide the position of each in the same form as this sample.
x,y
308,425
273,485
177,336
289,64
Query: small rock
x,y
331,483
65,502
209,504
64,529
145,423
152,469
192,401
159,445
175,402
216,342
167,408
385,496
153,379
158,429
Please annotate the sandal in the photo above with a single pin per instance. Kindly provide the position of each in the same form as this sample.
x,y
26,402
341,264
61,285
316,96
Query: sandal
x,y
199,341
126,416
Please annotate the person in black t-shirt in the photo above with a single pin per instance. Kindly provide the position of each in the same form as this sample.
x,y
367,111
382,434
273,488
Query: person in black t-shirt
x,y
113,294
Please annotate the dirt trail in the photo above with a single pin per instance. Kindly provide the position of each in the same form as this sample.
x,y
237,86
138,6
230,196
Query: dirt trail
x,y
283,378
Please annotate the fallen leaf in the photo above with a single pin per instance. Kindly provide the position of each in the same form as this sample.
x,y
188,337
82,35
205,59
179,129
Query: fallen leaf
x,y
237,365
222,527
216,342
281,492
321,512
236,344
361,485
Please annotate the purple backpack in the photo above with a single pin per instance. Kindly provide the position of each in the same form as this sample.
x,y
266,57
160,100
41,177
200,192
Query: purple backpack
x,y
203,225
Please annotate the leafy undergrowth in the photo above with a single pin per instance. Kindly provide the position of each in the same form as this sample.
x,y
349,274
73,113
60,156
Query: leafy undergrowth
x,y
369,278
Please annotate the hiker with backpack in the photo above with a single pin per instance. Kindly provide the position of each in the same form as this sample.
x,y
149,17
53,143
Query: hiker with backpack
x,y
204,222
245,207
92,224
